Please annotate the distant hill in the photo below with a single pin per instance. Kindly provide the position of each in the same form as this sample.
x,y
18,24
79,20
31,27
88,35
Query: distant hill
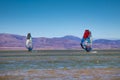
x,y
106,44
12,41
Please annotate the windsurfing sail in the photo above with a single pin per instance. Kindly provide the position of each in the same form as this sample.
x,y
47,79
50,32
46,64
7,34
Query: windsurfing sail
x,y
86,42
29,45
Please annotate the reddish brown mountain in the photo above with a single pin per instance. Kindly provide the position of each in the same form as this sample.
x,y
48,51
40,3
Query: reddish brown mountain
x,y
67,42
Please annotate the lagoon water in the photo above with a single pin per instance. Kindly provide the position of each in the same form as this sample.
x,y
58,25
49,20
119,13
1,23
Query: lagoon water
x,y
58,59
60,65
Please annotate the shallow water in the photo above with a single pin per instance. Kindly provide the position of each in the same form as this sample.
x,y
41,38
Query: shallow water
x,y
56,59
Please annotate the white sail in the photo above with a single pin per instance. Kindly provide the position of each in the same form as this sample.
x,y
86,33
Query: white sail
x,y
29,42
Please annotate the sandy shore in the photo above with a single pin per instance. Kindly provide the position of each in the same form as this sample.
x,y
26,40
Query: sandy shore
x,y
62,74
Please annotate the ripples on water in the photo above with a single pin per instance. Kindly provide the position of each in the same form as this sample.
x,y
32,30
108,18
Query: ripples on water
x,y
76,59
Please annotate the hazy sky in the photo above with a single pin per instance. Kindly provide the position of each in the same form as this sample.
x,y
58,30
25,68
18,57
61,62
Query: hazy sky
x,y
57,18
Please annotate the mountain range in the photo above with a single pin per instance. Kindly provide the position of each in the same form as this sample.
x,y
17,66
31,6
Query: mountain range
x,y
12,41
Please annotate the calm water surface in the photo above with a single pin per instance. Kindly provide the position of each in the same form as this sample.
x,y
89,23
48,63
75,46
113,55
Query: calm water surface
x,y
56,59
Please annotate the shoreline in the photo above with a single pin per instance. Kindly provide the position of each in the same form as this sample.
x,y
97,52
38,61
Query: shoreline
x,y
62,74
